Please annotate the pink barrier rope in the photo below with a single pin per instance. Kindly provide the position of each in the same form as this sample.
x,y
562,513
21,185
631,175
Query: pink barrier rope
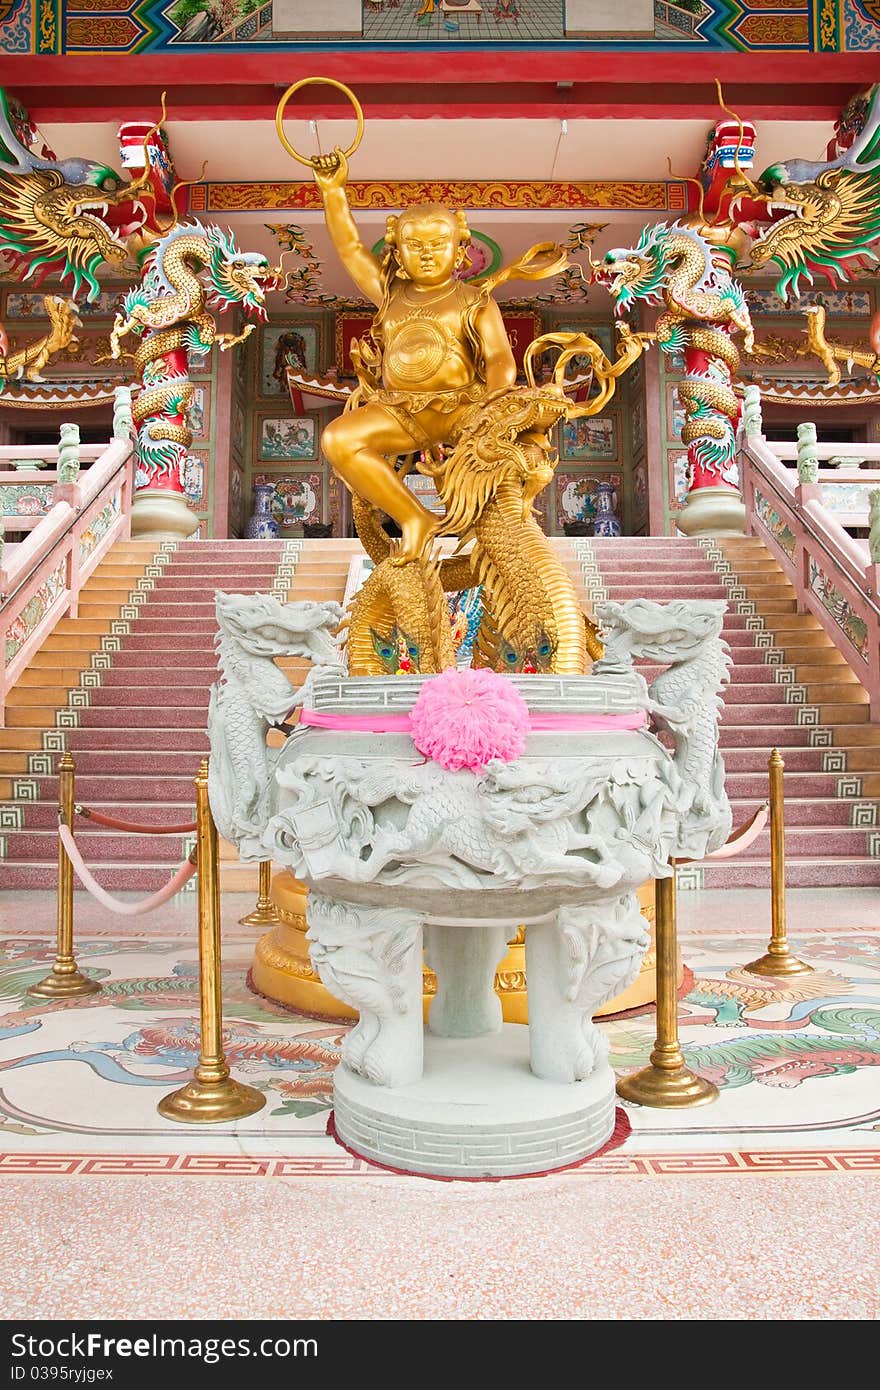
x,y
183,875
740,839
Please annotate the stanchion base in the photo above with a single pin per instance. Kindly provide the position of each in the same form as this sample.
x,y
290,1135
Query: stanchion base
x,y
666,1089
206,1102
57,986
260,917
779,966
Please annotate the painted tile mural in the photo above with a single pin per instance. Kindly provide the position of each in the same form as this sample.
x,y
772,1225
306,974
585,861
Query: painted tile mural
x,y
824,26
285,438
236,500
291,345
678,471
848,499
775,524
591,437
194,479
25,499
100,526
838,605
20,629
852,303
576,495
298,497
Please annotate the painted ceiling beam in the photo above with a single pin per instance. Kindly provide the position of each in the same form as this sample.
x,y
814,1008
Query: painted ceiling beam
x,y
488,83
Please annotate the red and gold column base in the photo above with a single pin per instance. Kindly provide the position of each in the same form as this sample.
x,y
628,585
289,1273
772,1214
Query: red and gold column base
x,y
283,971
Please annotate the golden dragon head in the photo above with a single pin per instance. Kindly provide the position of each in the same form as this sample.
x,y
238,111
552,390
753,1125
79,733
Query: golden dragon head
x,y
826,214
63,218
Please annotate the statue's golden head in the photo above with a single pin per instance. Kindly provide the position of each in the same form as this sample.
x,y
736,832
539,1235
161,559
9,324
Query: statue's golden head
x,y
428,243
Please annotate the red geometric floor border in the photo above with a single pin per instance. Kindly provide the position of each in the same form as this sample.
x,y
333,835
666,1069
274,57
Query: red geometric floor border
x,y
670,1165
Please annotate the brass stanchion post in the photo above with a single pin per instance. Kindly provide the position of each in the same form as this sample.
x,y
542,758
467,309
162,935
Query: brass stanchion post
x,y
264,914
667,1082
66,980
778,960
212,1094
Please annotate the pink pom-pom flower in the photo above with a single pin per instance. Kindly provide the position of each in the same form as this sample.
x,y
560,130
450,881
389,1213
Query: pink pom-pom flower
x,y
465,718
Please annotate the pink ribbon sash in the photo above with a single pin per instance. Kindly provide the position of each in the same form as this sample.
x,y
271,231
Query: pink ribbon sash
x,y
538,723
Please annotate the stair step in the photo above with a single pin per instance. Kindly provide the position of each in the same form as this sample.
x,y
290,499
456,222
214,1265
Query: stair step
x,y
201,658
766,716
145,877
147,763
95,846
796,759
43,815
14,763
800,873
778,736
863,759
120,717
22,739
160,696
154,739
101,789
814,811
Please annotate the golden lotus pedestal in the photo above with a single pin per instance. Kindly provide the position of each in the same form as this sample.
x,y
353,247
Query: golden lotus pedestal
x,y
282,970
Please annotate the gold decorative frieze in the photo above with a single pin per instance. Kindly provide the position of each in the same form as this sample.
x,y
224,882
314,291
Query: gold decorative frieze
x,y
643,195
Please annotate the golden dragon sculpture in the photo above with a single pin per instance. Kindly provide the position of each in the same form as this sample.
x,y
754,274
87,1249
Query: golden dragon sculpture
x,y
532,620
28,361
66,219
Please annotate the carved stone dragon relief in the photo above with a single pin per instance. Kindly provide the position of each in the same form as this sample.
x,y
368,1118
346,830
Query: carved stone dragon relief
x,y
562,836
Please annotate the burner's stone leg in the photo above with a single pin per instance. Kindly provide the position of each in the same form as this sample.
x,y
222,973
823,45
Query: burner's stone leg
x,y
573,966
371,957
464,958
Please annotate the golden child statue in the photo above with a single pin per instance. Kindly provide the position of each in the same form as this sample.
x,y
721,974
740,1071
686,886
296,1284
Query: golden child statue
x,y
442,346
437,384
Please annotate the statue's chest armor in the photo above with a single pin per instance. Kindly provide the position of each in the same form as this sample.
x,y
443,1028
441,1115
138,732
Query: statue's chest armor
x,y
419,341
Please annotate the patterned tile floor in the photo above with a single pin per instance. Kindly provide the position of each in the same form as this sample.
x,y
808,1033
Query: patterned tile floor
x,y
510,21
757,1206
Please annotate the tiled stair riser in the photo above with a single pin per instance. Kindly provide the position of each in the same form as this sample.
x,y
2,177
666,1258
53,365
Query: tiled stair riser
x,y
807,705
136,720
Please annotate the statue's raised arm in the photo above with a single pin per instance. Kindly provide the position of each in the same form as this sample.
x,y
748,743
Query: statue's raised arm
x,y
331,176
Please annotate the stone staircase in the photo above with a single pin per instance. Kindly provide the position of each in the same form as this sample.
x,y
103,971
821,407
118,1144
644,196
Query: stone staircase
x,y
790,688
124,686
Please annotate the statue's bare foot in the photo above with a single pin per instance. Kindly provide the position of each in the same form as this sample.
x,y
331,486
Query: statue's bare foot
x,y
415,543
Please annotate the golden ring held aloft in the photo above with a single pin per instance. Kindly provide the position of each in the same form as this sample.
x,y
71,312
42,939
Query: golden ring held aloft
x,y
310,82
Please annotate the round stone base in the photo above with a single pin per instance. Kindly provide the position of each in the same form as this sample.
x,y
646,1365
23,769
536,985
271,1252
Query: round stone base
x,y
158,514
477,1112
712,511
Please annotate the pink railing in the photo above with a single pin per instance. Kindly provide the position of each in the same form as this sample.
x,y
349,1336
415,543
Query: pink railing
x,y
26,493
41,580
802,524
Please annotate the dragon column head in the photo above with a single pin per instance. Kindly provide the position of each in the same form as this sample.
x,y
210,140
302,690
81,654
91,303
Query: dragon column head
x,y
635,273
239,277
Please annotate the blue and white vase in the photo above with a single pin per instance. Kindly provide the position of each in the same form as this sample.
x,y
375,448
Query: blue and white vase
x,y
261,524
606,521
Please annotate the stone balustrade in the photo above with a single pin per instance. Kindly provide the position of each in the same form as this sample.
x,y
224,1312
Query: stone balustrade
x,y
818,521
41,578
